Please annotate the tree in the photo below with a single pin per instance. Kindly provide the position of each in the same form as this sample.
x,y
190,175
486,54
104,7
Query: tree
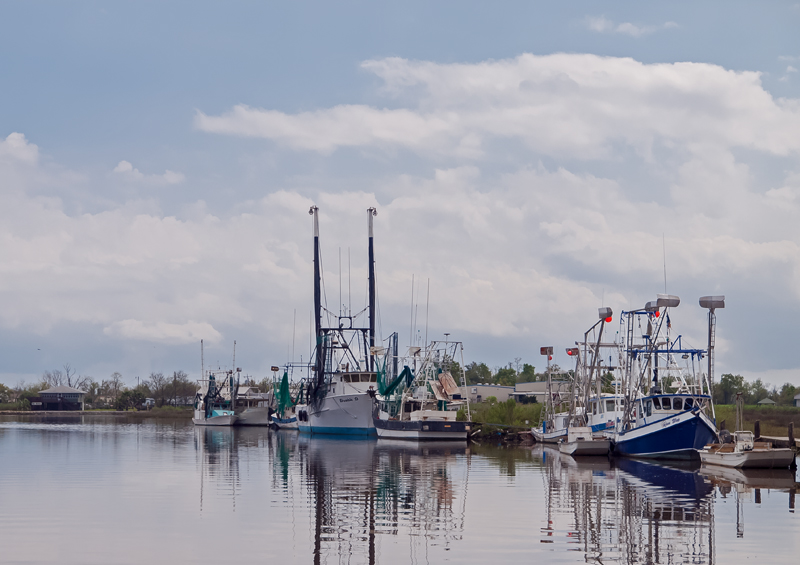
x,y
129,399
505,376
159,387
478,373
181,386
5,393
729,385
527,375
786,395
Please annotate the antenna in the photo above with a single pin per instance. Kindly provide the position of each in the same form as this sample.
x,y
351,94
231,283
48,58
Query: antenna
x,y
340,282
349,290
294,327
427,305
234,355
411,328
202,362
664,251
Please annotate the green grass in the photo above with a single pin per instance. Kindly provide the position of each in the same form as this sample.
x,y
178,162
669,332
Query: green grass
x,y
505,414
774,419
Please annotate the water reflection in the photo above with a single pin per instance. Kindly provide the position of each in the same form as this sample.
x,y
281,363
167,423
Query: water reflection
x,y
627,511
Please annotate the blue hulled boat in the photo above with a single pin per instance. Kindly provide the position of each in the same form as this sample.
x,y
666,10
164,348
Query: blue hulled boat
x,y
657,423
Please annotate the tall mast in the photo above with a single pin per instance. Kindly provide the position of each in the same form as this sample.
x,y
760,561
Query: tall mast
x,y
317,296
371,212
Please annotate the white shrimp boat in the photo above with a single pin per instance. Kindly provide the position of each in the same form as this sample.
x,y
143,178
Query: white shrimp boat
x,y
580,441
746,453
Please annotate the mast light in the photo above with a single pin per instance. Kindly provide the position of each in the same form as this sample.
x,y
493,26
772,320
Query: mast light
x,y
712,302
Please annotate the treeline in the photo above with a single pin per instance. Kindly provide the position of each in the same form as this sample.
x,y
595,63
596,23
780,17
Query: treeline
x,y
753,392
112,392
508,375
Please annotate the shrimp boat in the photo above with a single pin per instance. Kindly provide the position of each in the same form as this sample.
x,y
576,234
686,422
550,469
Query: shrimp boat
x,y
215,400
742,451
588,404
657,422
285,417
424,407
342,386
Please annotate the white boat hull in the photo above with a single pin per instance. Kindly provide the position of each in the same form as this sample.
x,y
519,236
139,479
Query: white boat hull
x,y
201,420
345,414
254,416
773,458
585,447
285,423
549,437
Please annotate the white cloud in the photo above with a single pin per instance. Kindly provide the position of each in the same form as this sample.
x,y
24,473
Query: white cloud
x,y
127,170
17,148
601,24
562,105
791,69
517,252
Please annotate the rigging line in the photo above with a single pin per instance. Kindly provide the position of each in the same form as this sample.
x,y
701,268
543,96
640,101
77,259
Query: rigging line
x,y
340,282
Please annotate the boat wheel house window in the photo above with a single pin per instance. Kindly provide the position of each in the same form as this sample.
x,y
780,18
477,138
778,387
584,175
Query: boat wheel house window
x,y
648,407
657,403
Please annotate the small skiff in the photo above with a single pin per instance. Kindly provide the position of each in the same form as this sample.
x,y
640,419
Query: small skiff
x,y
746,453
580,442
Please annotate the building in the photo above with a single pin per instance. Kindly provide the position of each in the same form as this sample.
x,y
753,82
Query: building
x,y
797,400
538,389
766,402
480,392
59,398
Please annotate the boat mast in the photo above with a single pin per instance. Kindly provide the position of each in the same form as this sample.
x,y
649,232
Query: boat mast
x,y
711,303
320,360
371,212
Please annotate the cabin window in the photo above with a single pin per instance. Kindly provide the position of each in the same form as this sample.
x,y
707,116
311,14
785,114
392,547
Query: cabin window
x,y
648,408
657,403
594,407
688,404
609,405
345,378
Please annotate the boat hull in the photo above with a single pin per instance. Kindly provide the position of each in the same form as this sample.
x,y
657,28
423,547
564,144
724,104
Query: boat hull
x,y
778,458
421,430
548,437
285,423
346,414
227,420
676,437
585,447
255,416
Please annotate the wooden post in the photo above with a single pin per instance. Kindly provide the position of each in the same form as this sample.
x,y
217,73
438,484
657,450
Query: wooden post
x,y
757,432
791,435
758,496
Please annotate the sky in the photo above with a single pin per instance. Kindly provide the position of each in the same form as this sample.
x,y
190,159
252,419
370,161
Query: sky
x,y
529,162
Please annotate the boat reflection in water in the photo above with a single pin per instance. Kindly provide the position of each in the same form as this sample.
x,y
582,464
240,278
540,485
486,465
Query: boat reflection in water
x,y
747,485
627,510
362,494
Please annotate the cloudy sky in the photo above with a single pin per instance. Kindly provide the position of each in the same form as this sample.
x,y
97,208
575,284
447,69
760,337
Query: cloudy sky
x,y
533,161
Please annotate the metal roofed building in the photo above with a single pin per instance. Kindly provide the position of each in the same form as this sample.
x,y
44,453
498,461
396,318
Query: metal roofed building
x,y
59,398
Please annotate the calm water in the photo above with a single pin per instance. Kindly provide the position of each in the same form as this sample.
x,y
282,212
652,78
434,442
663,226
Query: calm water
x,y
96,490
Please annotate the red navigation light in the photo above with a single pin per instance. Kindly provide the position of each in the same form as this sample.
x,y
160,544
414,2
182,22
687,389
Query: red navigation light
x,y
608,320
550,358
658,313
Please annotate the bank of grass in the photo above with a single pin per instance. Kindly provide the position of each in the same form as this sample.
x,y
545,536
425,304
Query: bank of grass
x,y
160,412
774,420
505,414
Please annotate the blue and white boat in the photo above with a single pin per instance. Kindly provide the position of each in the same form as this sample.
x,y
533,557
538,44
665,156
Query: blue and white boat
x,y
668,411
